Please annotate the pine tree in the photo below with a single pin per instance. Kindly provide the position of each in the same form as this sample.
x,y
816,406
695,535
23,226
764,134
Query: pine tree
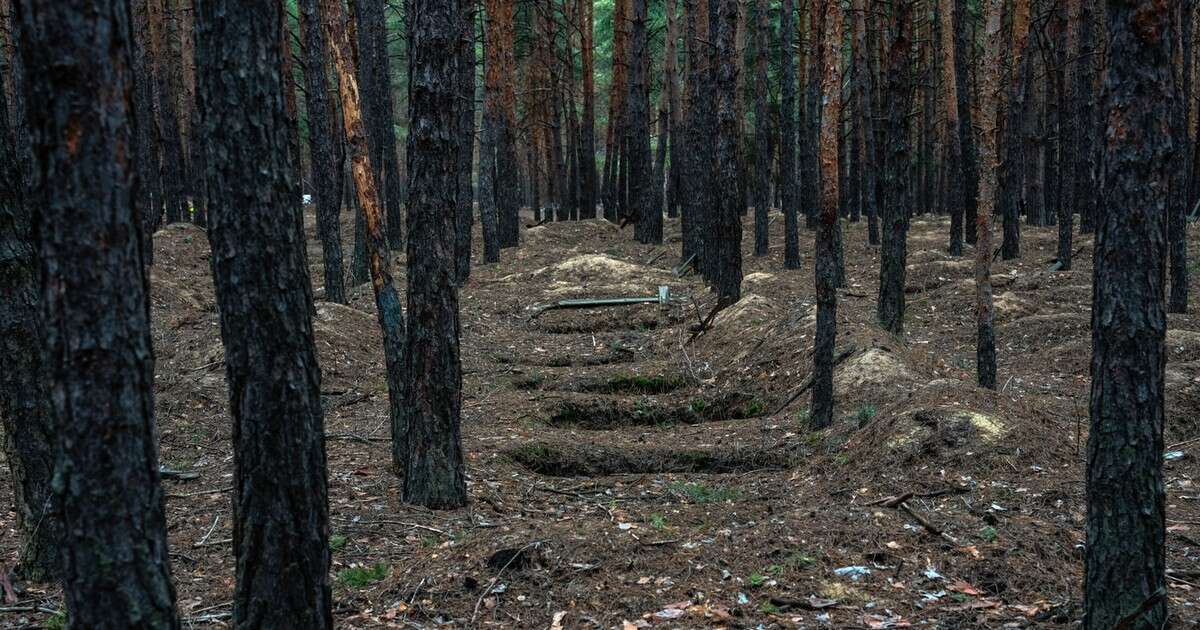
x,y
100,366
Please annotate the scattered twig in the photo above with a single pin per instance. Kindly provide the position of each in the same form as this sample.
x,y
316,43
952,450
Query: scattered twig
x,y
209,533
184,495
492,584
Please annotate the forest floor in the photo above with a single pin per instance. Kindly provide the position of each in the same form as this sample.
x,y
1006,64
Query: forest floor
x,y
623,475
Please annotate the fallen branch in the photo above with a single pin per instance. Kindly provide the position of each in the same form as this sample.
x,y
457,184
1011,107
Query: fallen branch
x,y
663,297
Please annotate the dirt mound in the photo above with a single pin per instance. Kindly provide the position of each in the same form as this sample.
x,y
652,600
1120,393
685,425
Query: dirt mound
x,y
1009,306
563,460
751,310
874,373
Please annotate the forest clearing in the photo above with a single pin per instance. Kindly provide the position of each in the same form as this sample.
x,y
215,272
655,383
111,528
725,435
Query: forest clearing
x,y
607,314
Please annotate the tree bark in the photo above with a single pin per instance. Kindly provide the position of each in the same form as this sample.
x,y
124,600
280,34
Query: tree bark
x,y
789,188
642,193
865,93
434,476
697,165
150,192
1177,228
894,253
323,137
25,406
1125,559
724,228
989,136
587,136
375,87
966,127
387,301
166,68
280,497
465,140
955,188
762,133
96,310
825,267
499,99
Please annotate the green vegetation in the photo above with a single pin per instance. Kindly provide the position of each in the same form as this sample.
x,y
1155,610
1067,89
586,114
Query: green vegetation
x,y
57,621
988,534
700,493
657,521
362,577
756,580
337,542
864,415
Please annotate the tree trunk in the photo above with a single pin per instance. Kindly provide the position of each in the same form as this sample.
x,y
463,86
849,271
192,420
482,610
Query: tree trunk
x,y
989,136
322,138
280,496
1125,559
825,267
697,165
810,172
387,301
787,136
499,99
163,32
762,133
966,127
150,193
25,406
375,87
724,227
642,193
894,252
96,310
434,476
1177,228
1016,112
1086,153
587,136
465,140
675,109
865,93
955,189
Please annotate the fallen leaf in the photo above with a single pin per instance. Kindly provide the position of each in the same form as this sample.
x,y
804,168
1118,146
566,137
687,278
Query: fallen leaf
x,y
556,623
964,588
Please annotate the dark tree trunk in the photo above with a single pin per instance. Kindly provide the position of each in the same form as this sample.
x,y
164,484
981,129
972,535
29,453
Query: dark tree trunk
x,y
323,137
488,212
985,335
865,95
642,191
956,190
724,227
1016,146
434,476
696,165
787,136
966,123
587,135
762,133
166,82
1125,564
150,193
826,263
465,141
387,301
1177,246
25,406
375,88
96,312
854,174
893,256
280,499
1086,153
810,173
499,96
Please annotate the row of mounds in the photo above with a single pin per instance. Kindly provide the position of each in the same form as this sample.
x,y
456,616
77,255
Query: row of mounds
x,y
565,459
606,413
